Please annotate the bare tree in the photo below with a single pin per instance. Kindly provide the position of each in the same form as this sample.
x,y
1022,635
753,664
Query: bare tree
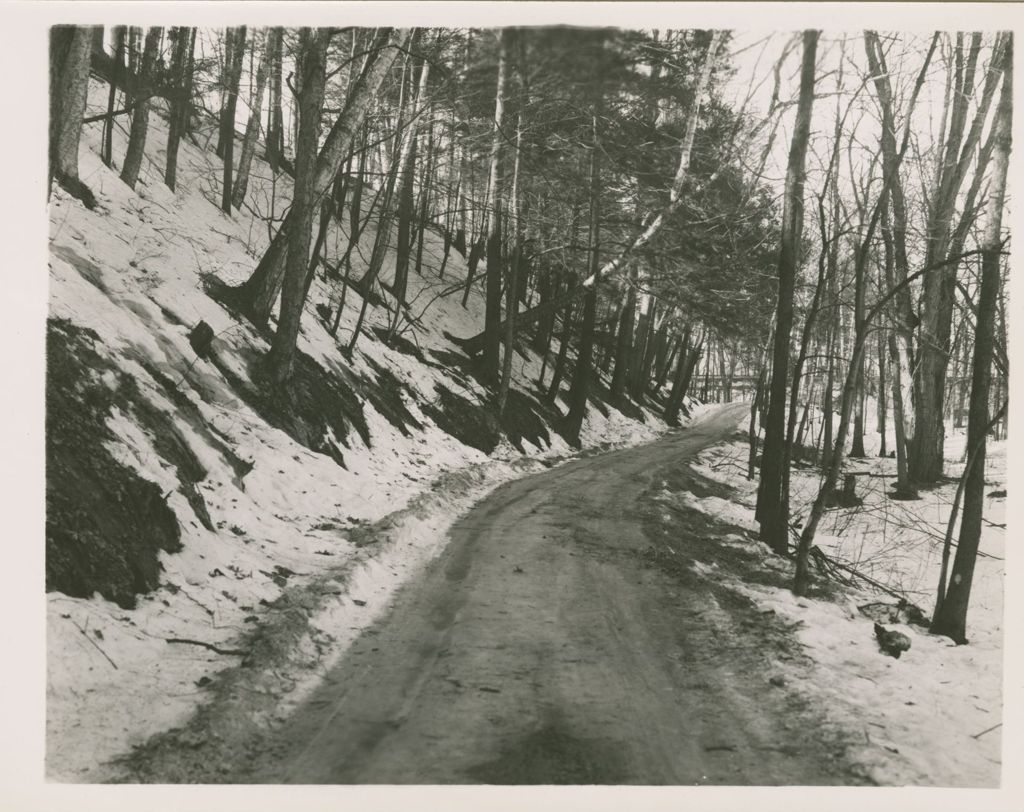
x,y
959,151
950,616
773,518
252,128
106,150
181,98
416,102
226,145
313,45
582,372
256,297
140,114
514,266
70,55
275,122
495,192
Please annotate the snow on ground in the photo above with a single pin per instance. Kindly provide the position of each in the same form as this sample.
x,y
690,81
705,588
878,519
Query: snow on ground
x,y
132,272
930,717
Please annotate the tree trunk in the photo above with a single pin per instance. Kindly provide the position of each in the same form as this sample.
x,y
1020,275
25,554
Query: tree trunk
x,y
547,288
495,190
355,200
691,366
665,364
891,159
380,247
857,445
927,444
327,210
405,194
514,271
181,100
257,295
140,115
231,73
227,130
624,344
644,351
753,428
774,524
275,124
903,487
636,356
706,391
106,151
580,391
252,128
828,395
558,373
950,616
423,216
134,50
881,403
687,358
313,44
70,56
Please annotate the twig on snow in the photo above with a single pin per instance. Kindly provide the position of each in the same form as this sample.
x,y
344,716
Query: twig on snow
x,y
210,646
96,645
986,730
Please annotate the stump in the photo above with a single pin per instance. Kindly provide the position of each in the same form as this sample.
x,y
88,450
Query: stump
x,y
201,337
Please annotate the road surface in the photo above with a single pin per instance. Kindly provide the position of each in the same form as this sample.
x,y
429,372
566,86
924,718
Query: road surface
x,y
543,647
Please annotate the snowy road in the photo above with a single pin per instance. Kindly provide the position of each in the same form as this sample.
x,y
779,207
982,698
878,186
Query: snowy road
x,y
544,647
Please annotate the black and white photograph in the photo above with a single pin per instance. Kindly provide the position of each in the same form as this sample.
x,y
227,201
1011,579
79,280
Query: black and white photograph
x,y
519,395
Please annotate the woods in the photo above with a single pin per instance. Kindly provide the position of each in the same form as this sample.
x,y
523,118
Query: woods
x,y
631,403
823,237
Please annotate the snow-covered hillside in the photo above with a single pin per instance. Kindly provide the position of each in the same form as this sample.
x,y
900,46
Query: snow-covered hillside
x,y
937,691
292,529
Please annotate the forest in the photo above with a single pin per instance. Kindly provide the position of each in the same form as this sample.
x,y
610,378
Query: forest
x,y
369,257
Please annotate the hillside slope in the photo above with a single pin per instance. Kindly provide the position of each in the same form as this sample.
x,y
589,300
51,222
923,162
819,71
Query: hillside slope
x,y
195,523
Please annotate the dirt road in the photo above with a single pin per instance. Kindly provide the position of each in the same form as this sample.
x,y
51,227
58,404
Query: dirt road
x,y
551,643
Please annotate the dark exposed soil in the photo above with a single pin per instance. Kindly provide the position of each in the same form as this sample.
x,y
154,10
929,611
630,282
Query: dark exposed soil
x,y
466,421
385,394
400,343
475,424
525,418
105,525
313,407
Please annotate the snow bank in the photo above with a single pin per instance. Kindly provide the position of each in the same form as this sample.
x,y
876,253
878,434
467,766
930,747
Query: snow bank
x,y
932,717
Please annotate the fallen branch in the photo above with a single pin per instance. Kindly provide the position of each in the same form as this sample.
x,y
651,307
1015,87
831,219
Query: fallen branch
x,y
210,646
836,564
96,645
986,730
